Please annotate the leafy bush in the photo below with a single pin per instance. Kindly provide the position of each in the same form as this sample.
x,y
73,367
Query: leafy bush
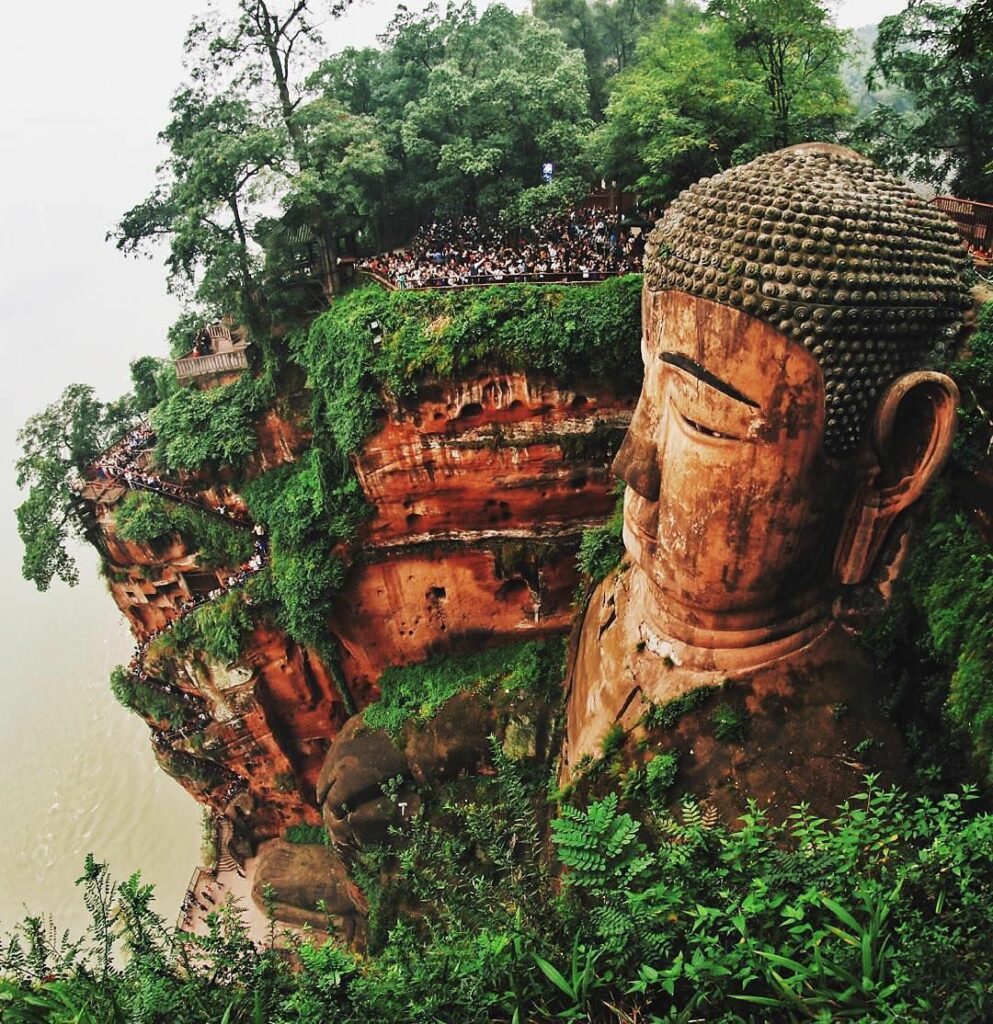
x,y
940,623
154,381
660,773
146,518
147,700
589,333
801,918
882,915
306,509
600,551
974,376
730,723
667,715
219,628
419,691
307,835
196,429
602,547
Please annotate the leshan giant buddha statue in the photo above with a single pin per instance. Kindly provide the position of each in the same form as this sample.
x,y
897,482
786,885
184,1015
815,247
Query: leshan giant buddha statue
x,y
794,312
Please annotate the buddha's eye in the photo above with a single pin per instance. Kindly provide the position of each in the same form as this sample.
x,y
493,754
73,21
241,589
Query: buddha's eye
x,y
701,429
696,427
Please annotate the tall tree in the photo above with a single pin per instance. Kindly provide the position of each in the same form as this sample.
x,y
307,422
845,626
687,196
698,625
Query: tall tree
x,y
215,183
941,55
334,192
57,444
507,98
679,112
234,141
793,49
606,32
267,46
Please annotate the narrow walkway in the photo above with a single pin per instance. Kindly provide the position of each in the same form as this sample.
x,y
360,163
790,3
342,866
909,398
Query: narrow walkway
x,y
118,467
208,890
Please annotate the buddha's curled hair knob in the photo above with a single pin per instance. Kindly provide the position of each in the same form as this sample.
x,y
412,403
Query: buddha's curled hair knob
x,y
877,264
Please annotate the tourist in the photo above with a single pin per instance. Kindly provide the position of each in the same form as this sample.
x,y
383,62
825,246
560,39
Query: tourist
x,y
579,245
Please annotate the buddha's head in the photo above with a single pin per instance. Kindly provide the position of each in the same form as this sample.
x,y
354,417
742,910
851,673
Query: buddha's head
x,y
795,312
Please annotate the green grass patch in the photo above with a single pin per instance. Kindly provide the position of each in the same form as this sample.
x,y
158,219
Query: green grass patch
x,y
307,835
667,715
418,692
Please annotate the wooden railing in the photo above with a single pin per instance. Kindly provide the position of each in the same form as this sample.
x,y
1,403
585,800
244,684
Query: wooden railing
x,y
233,359
974,221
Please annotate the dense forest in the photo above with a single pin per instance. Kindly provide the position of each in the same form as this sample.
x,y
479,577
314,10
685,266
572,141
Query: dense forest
x,y
621,899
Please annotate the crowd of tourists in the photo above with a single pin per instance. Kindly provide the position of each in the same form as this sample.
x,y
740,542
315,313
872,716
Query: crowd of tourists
x,y
255,564
119,464
581,245
193,899
118,461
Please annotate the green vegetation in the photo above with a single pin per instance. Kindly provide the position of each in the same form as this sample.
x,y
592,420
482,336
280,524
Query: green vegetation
x,y
973,373
154,380
573,334
307,508
602,547
181,765
933,640
660,775
667,715
937,55
209,839
201,429
147,700
218,628
881,915
307,835
649,785
940,623
56,446
730,724
418,692
717,87
612,741
150,518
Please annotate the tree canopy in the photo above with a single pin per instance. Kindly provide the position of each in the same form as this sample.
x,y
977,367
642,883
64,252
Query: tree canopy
x,y
711,88
940,54
56,446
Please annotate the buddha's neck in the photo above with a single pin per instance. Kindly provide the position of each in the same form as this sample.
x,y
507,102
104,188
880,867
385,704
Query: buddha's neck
x,y
731,641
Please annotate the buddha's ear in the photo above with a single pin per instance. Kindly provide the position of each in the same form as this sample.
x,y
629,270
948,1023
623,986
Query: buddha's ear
x,y
911,436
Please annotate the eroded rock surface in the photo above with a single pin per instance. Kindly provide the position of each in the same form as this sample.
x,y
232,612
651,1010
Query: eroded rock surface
x,y
480,492
302,876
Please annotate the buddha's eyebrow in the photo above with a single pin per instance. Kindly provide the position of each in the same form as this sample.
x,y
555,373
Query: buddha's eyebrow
x,y
702,373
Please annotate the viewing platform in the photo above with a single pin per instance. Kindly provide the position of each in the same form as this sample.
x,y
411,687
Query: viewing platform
x,y
231,361
218,352
594,277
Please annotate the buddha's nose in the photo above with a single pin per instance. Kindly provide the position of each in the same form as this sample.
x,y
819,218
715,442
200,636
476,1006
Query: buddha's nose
x,y
637,463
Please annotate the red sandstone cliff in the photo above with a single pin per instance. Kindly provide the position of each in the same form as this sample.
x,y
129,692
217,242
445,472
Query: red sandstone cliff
x,y
480,491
